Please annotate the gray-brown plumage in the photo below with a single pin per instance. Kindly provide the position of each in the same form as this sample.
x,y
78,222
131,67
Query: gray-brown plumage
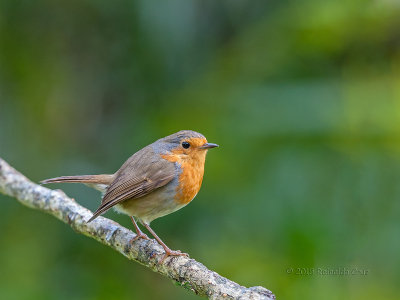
x,y
140,175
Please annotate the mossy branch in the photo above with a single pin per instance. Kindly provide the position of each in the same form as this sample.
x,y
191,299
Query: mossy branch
x,y
187,272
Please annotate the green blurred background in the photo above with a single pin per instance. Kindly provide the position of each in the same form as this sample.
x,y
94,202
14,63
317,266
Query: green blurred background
x,y
302,96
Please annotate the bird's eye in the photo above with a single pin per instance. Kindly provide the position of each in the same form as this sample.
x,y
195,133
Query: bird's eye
x,y
185,145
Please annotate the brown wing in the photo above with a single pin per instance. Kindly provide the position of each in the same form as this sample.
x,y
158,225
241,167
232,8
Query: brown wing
x,y
141,174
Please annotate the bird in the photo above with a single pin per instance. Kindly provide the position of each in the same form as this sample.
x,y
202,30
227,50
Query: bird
x,y
157,180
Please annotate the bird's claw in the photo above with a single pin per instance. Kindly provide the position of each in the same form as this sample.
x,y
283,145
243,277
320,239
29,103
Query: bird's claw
x,y
172,253
139,236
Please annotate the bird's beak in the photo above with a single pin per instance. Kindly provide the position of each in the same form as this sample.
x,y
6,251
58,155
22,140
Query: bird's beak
x,y
208,146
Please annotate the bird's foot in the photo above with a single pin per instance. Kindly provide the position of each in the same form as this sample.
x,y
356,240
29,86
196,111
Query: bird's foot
x,y
169,252
139,235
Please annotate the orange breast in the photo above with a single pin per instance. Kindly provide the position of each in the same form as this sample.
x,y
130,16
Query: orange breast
x,y
191,177
189,182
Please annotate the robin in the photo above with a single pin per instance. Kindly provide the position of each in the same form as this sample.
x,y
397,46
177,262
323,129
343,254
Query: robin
x,y
155,181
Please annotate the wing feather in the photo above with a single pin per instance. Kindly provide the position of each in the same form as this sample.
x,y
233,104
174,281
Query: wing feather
x,y
139,176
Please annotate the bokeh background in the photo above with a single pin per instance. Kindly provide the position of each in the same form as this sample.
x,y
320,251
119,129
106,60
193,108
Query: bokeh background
x,y
302,96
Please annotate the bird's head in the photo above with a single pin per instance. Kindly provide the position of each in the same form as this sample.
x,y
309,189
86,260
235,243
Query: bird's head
x,y
186,144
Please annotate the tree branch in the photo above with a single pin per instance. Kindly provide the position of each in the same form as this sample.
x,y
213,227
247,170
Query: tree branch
x,y
187,272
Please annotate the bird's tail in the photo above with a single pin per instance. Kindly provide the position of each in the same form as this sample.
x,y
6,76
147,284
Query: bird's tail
x,y
98,182
96,179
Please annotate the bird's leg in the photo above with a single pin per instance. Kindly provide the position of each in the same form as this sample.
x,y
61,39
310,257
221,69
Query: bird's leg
x,y
168,252
139,233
